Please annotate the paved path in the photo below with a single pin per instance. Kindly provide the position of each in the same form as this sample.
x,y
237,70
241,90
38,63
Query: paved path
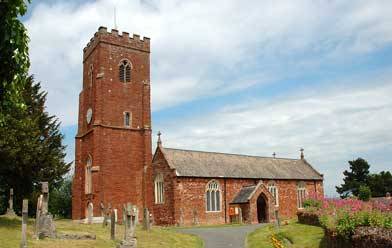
x,y
222,237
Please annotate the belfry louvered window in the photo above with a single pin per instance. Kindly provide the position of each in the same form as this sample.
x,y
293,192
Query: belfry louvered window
x,y
213,203
301,194
125,71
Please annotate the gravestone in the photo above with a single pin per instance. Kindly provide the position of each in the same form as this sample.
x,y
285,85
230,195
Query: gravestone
x,y
25,212
45,225
37,215
90,213
106,217
10,209
130,225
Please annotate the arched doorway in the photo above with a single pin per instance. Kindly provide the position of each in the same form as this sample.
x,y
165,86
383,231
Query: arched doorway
x,y
262,208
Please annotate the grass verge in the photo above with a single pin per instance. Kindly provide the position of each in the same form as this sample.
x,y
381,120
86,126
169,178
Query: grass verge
x,y
299,235
10,236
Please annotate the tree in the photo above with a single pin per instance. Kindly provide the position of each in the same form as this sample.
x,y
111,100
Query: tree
x,y
14,58
60,200
364,193
31,147
357,176
380,183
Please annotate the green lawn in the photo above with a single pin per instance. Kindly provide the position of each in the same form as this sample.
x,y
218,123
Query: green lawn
x,y
300,236
10,235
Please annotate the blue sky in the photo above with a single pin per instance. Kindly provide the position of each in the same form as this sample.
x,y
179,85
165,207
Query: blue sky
x,y
268,76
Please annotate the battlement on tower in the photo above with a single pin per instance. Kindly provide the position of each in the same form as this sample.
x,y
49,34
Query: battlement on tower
x,y
114,37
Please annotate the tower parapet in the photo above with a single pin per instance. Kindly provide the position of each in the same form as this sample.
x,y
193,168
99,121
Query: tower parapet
x,y
114,37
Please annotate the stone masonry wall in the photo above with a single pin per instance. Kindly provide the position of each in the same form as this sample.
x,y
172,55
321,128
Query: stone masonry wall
x,y
119,153
186,197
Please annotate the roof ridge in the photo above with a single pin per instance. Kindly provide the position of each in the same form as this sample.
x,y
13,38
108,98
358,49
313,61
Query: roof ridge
x,y
234,154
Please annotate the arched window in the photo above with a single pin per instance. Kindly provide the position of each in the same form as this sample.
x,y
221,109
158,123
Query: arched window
x,y
301,194
88,177
159,190
273,189
213,197
125,71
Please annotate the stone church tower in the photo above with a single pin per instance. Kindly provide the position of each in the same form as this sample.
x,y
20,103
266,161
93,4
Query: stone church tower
x,y
113,143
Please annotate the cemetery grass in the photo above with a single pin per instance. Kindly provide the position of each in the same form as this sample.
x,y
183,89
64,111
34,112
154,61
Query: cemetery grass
x,y
300,236
10,236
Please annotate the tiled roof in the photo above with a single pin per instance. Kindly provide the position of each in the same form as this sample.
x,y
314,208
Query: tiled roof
x,y
189,163
244,194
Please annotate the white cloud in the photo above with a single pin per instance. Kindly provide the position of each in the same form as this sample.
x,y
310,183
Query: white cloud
x,y
200,48
334,125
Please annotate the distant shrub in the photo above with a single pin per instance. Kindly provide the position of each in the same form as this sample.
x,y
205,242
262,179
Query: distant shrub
x,y
364,193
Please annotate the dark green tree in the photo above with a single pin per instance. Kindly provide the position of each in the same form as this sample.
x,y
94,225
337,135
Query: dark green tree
x,y
14,57
357,176
31,147
380,183
60,200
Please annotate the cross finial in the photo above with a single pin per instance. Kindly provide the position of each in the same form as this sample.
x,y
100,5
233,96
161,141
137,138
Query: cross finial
x,y
159,138
302,153
274,154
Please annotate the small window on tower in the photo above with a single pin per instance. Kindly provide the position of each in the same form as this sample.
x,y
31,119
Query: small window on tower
x,y
125,71
127,119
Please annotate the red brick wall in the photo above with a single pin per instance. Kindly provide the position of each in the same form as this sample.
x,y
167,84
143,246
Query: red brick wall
x,y
120,152
186,196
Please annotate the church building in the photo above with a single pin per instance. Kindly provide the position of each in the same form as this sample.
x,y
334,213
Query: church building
x,y
114,163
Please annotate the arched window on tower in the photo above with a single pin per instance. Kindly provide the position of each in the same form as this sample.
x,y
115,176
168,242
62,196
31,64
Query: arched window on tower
x,y
159,190
301,194
213,203
88,176
273,189
125,71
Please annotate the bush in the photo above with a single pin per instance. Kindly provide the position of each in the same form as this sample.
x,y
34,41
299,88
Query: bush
x,y
60,200
364,193
312,203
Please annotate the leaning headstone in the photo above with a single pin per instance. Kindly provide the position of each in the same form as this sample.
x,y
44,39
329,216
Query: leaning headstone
x,y
146,219
37,215
46,227
130,225
113,226
25,208
10,209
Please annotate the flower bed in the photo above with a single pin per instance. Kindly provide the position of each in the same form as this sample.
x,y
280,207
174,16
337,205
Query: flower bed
x,y
344,222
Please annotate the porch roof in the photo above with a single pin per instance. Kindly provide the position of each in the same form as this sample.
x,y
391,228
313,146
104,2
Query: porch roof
x,y
244,194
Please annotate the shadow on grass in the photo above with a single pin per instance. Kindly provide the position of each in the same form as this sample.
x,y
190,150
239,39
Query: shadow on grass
x,y
10,222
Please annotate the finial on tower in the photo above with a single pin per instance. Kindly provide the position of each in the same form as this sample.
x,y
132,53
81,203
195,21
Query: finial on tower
x,y
159,138
302,153
274,155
